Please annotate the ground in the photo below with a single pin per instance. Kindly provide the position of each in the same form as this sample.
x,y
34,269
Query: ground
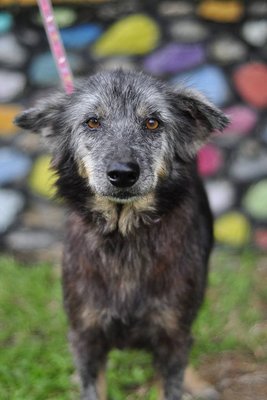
x,y
230,348
236,375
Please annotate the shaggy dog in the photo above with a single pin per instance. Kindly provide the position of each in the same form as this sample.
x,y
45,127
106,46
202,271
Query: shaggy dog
x,y
139,232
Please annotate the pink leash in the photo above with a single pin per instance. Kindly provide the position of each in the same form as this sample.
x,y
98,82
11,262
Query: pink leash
x,y
56,45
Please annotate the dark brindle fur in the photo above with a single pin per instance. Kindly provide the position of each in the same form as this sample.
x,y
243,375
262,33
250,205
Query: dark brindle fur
x,y
136,254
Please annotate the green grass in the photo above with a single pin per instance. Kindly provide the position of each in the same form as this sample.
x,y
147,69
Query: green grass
x,y
35,362
236,301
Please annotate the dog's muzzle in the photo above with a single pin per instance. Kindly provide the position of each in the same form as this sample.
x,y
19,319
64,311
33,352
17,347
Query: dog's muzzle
x,y
123,174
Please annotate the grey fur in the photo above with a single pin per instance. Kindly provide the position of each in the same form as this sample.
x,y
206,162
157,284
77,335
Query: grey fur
x,y
122,102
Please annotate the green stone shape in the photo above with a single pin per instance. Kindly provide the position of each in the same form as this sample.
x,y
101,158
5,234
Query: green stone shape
x,y
134,35
255,200
64,17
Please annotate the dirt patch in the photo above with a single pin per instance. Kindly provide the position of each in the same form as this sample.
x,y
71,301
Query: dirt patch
x,y
236,376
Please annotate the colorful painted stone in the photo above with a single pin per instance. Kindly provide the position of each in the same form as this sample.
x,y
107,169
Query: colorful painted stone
x,y
14,165
27,142
264,133
242,120
174,58
260,238
249,167
135,34
175,9
221,195
43,69
29,240
255,200
11,203
257,8
113,10
11,85
251,83
227,49
188,31
14,58
7,115
64,17
232,229
210,160
80,36
209,80
42,178
44,215
30,37
118,62
6,21
255,32
221,11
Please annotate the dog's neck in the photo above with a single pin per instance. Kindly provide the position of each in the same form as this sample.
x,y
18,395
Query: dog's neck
x,y
124,217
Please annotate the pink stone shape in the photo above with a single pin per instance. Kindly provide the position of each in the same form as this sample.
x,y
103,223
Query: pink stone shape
x,y
210,160
251,83
243,119
260,238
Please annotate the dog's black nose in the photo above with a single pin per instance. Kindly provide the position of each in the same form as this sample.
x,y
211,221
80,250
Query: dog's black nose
x,y
123,174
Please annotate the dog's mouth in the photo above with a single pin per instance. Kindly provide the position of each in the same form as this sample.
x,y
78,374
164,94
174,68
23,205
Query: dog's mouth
x,y
123,197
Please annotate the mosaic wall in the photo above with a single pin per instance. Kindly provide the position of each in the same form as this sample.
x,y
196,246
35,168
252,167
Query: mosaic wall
x,y
219,47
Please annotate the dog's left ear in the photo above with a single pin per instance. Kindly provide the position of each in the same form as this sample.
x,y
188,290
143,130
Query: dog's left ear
x,y
197,118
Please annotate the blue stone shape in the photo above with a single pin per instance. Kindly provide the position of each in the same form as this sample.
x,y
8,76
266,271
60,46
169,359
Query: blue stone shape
x,y
80,36
43,70
13,165
11,203
209,80
6,21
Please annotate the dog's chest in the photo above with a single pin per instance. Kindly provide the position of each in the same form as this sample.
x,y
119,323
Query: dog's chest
x,y
123,288
130,313
121,282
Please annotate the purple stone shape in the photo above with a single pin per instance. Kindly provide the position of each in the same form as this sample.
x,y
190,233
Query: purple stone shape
x,y
174,58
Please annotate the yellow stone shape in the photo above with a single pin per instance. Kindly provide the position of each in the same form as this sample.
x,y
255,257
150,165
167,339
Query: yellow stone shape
x,y
232,228
221,11
7,115
42,178
135,34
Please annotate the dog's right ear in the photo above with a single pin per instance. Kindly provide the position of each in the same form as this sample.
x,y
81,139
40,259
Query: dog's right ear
x,y
32,119
44,117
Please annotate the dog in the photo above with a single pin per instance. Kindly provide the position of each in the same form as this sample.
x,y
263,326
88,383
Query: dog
x,y
139,232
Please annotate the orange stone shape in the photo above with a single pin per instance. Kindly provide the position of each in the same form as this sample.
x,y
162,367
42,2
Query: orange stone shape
x,y
221,11
251,83
7,115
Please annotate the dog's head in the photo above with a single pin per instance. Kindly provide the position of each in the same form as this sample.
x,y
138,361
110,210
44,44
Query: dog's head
x,y
123,131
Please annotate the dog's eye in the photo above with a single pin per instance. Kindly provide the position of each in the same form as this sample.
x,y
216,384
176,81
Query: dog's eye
x,y
152,124
93,123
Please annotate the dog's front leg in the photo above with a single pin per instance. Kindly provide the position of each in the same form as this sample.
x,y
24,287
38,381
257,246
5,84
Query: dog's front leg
x,y
170,362
90,351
